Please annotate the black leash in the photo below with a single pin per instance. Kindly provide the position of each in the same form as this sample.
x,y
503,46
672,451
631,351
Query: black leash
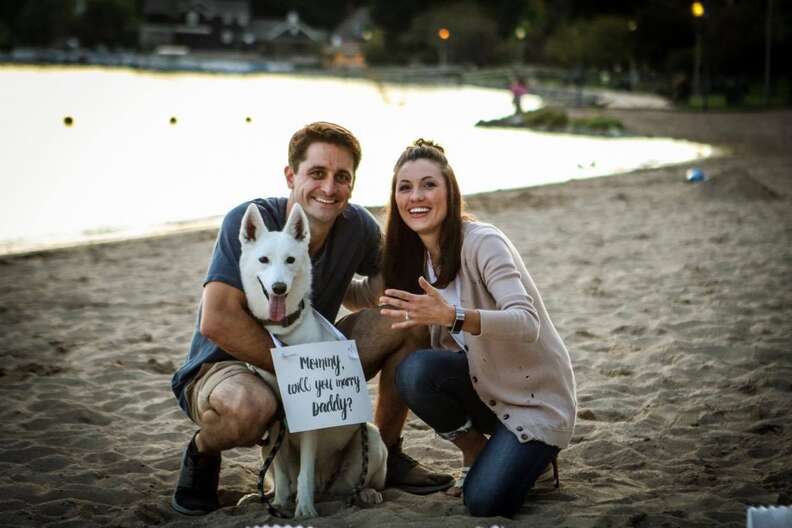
x,y
362,480
364,469
265,467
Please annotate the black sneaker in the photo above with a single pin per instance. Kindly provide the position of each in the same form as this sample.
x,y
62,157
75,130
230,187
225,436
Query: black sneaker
x,y
406,473
196,491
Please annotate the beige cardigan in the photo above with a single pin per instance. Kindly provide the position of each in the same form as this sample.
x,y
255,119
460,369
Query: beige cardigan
x,y
519,365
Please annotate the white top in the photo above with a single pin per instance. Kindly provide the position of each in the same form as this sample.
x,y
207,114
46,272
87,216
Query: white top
x,y
450,293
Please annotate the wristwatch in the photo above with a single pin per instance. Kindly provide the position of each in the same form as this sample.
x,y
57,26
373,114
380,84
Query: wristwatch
x,y
459,319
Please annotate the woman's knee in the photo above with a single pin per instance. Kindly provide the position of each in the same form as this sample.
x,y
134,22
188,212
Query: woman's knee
x,y
414,374
489,499
484,503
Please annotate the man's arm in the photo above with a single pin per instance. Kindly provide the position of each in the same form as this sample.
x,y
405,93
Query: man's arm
x,y
226,321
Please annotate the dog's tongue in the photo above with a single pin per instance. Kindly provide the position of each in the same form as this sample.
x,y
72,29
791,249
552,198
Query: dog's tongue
x,y
277,306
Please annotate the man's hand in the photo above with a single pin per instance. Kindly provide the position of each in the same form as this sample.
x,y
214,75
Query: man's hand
x,y
226,321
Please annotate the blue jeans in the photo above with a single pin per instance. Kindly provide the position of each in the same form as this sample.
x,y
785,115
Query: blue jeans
x,y
435,385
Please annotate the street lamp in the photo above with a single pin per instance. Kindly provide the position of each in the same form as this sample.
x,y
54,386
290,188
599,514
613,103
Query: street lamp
x,y
443,34
520,33
697,8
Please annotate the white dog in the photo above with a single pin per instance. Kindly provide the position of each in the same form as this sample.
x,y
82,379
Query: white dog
x,y
276,276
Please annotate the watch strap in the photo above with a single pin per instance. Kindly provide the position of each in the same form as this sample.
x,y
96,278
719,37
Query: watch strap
x,y
459,320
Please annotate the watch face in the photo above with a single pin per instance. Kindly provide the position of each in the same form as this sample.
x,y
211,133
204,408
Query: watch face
x,y
460,314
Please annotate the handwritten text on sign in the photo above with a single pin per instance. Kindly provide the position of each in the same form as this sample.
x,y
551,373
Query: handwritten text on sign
x,y
322,385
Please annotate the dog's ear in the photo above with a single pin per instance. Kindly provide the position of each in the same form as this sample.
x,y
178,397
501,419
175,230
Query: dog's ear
x,y
297,225
252,225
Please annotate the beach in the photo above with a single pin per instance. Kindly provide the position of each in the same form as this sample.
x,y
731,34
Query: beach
x,y
673,298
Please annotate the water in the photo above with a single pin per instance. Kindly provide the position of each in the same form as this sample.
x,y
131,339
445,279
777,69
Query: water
x,y
123,169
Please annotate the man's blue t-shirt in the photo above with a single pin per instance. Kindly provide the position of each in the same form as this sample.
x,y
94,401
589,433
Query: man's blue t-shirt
x,y
352,246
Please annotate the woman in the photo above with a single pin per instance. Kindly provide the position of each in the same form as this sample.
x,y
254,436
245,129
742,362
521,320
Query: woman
x,y
498,380
518,88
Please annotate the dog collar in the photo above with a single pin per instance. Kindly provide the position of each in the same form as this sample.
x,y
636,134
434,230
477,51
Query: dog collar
x,y
289,319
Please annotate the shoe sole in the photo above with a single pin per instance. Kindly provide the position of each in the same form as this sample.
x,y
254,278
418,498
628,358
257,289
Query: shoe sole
x,y
184,511
423,490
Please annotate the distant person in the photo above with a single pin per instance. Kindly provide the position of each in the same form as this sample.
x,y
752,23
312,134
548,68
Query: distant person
x,y
232,406
518,87
497,380
680,87
579,80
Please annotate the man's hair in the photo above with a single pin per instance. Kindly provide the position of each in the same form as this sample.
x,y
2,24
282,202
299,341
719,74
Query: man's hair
x,y
322,132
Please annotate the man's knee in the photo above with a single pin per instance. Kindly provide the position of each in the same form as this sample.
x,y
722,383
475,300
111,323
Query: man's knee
x,y
244,411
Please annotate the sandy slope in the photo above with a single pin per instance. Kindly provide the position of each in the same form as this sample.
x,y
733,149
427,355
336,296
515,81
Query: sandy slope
x,y
674,300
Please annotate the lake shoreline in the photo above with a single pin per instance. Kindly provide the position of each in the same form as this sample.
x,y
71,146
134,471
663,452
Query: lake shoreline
x,y
178,133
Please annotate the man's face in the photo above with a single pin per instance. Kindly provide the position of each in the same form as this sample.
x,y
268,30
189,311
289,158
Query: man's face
x,y
323,182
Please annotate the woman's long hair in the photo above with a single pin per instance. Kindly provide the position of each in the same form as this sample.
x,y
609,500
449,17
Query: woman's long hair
x,y
403,254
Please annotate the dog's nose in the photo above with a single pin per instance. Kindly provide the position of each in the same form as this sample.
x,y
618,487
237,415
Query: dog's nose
x,y
279,288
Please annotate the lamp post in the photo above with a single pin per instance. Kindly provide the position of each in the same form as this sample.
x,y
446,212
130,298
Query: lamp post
x,y
697,8
768,44
444,34
520,33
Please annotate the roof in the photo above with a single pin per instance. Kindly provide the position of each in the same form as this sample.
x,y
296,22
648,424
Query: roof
x,y
272,29
353,26
208,8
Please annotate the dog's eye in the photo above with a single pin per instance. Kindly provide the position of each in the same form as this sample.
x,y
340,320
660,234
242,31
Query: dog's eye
x,y
264,260
290,260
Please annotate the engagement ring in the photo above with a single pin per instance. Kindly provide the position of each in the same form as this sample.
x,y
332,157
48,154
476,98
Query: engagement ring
x,y
406,315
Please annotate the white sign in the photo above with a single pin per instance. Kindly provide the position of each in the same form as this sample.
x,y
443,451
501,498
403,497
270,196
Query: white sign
x,y
322,385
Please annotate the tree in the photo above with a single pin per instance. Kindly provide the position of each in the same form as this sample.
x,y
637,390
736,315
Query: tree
x,y
9,10
603,41
42,22
108,22
326,14
473,35
394,18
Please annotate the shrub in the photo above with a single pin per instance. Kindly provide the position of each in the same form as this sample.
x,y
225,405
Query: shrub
x,y
546,118
599,124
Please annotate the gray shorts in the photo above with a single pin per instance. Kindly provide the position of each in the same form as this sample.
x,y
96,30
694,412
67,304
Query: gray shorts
x,y
210,375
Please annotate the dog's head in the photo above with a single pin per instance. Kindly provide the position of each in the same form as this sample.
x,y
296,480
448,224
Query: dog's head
x,y
275,265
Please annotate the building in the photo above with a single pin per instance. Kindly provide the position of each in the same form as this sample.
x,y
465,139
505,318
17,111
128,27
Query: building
x,y
226,26
196,24
345,49
288,39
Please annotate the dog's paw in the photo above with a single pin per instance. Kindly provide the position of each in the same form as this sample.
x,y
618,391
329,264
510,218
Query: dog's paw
x,y
305,511
369,497
280,512
280,503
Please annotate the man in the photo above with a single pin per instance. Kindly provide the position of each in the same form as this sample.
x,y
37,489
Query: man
x,y
232,406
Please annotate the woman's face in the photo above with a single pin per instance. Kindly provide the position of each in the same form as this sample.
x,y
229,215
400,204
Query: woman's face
x,y
421,196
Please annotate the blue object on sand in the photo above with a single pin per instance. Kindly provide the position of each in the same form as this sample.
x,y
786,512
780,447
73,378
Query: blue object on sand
x,y
695,175
769,517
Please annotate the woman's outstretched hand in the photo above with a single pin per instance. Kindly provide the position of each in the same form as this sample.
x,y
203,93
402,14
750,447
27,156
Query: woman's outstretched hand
x,y
410,309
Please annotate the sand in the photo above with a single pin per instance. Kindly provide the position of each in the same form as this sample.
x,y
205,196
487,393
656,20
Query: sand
x,y
673,298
